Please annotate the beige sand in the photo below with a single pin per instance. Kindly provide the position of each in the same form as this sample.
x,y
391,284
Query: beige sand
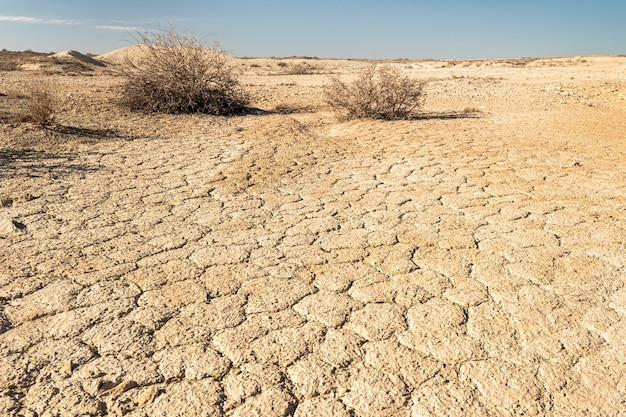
x,y
286,263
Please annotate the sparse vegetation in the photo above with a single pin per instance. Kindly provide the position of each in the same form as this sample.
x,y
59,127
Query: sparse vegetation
x,y
380,92
11,60
181,74
42,103
71,67
301,68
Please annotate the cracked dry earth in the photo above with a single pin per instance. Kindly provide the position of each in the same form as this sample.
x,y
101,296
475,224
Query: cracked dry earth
x,y
293,265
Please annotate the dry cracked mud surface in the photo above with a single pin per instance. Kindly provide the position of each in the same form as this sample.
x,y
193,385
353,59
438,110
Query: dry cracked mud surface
x,y
464,263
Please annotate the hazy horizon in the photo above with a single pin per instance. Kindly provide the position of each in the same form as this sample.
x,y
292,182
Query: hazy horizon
x,y
449,29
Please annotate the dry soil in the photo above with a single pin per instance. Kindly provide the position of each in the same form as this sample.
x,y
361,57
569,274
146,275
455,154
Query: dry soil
x,y
468,262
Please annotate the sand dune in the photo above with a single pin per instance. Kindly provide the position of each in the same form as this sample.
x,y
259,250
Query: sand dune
x,y
75,55
119,56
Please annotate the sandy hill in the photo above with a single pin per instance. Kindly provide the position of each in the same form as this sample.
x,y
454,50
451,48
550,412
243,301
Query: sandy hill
x,y
71,55
120,55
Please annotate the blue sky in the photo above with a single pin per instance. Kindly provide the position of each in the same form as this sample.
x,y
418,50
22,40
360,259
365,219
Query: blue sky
x,y
340,28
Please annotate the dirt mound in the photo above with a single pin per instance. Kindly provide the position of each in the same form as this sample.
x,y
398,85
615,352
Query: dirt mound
x,y
71,55
119,56
134,53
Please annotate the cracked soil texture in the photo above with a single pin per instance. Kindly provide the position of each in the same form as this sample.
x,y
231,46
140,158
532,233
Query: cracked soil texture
x,y
289,264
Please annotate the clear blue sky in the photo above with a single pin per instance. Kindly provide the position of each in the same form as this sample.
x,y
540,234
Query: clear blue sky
x,y
323,28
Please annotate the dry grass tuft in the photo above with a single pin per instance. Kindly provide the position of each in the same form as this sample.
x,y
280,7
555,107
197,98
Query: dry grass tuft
x,y
42,103
380,92
181,74
301,68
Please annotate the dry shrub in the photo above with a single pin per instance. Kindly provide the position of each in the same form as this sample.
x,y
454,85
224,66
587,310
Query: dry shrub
x,y
181,74
42,103
301,68
380,92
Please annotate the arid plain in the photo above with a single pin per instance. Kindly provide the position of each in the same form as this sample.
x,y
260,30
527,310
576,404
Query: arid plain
x,y
467,262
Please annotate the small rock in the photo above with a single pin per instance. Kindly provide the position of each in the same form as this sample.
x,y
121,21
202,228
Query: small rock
x,y
68,368
146,396
120,388
6,201
8,226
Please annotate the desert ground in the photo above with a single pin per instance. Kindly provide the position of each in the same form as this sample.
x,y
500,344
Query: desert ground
x,y
467,262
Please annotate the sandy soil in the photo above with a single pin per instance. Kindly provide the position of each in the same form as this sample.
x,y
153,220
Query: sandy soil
x,y
469,262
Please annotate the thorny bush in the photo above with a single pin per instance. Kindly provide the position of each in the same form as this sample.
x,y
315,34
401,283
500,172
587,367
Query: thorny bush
x,y
380,92
177,73
42,103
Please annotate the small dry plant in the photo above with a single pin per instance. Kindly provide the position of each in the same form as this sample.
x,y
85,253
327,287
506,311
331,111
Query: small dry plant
x,y
42,103
181,74
301,68
380,92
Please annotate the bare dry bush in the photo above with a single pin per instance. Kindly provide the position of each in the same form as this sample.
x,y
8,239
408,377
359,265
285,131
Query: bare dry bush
x,y
380,92
301,68
181,74
42,103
